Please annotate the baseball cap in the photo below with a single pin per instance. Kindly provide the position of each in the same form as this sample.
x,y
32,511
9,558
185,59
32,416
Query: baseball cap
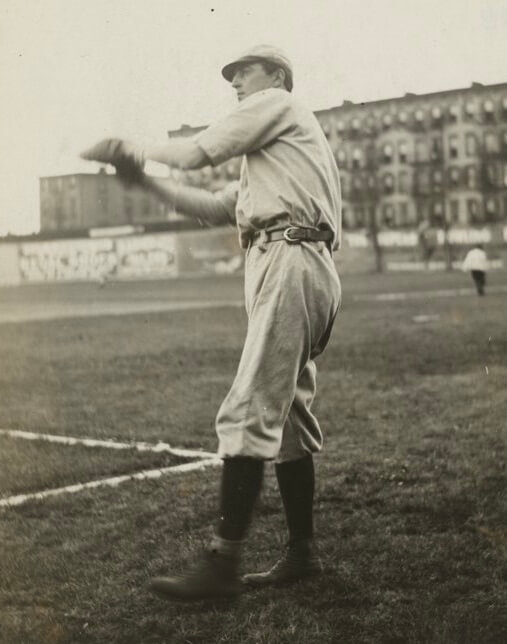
x,y
261,53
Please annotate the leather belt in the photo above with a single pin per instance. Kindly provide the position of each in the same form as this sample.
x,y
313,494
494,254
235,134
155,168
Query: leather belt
x,y
291,235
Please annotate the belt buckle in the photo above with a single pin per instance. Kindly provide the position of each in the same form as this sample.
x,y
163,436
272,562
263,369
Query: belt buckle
x,y
288,238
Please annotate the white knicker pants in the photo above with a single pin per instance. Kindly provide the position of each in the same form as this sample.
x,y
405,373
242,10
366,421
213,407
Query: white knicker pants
x,y
292,295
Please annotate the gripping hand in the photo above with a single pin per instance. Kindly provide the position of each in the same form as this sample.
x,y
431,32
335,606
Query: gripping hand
x,y
127,160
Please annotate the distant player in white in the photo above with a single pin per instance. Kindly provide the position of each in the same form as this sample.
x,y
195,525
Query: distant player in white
x,y
476,262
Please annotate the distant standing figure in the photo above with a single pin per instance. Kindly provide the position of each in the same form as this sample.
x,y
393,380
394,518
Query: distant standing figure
x,y
476,262
427,241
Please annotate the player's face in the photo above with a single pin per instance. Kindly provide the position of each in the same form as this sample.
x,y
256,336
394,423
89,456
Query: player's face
x,y
252,78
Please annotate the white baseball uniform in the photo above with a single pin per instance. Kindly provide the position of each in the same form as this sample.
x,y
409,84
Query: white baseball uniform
x,y
292,291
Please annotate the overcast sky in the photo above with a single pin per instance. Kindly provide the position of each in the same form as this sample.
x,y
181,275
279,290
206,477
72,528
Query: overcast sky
x,y
75,71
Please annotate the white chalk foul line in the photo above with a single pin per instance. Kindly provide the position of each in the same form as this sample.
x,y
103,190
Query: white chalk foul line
x,y
110,482
110,444
415,295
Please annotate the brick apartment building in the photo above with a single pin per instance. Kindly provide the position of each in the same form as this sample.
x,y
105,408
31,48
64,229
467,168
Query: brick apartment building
x,y
439,158
436,159
78,201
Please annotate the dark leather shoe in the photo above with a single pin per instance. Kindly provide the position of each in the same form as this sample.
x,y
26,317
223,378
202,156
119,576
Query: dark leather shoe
x,y
298,562
214,577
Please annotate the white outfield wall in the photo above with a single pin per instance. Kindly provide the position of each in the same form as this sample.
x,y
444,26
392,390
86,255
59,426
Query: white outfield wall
x,y
169,255
9,265
136,256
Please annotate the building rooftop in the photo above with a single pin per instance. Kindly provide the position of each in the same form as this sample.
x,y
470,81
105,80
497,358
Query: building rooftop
x,y
188,130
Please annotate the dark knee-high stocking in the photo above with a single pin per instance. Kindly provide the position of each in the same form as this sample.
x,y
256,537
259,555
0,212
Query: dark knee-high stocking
x,y
240,488
296,480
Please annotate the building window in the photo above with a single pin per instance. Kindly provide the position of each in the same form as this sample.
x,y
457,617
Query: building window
x,y
436,148
436,113
371,182
437,180
421,151
454,207
505,176
491,143
491,175
357,157
340,126
402,151
488,110
387,120
454,177
387,153
388,183
419,116
357,184
402,118
471,144
473,210
438,212
470,109
491,209
453,146
356,124
454,112
341,157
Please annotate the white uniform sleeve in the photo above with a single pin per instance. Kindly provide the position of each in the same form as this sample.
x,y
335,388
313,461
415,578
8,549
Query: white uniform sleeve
x,y
257,121
215,209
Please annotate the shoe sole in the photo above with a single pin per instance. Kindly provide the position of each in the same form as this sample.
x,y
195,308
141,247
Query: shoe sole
x,y
250,584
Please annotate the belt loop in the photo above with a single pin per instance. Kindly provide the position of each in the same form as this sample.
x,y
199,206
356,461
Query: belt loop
x,y
263,238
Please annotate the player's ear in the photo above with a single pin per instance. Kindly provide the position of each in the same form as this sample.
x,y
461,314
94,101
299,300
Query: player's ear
x,y
279,80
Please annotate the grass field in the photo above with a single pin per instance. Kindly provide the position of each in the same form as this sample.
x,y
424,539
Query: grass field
x,y
410,499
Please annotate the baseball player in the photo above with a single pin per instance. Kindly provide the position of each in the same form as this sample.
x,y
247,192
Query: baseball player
x,y
287,209
476,262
